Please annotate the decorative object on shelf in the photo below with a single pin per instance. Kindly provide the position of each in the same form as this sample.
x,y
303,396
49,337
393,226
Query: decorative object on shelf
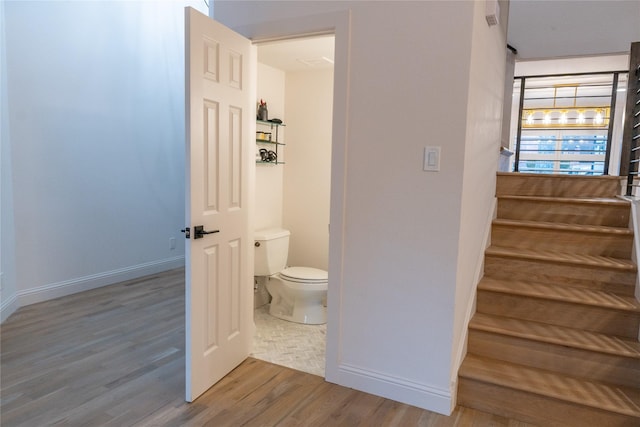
x,y
263,113
263,136
268,155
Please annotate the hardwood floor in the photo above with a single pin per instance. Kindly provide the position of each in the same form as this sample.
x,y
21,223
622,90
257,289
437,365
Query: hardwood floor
x,y
114,356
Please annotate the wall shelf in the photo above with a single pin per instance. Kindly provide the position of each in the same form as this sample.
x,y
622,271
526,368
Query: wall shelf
x,y
265,138
260,162
266,141
267,122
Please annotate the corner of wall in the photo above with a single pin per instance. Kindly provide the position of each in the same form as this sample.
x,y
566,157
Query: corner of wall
x,y
470,308
268,191
635,225
127,177
9,303
481,154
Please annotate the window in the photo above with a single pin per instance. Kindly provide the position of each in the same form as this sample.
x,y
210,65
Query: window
x,y
565,123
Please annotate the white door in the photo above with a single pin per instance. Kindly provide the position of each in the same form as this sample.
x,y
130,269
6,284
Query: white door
x,y
219,262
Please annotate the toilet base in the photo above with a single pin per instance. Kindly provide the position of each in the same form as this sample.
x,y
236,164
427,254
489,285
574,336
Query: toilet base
x,y
297,302
309,313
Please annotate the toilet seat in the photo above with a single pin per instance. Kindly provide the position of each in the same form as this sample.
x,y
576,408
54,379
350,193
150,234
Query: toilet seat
x,y
308,275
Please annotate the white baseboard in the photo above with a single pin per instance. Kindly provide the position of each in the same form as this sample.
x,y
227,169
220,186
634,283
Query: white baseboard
x,y
72,286
399,389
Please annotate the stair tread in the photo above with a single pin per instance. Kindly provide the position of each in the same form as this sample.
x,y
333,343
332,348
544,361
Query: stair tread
x,y
618,399
561,335
556,226
611,201
596,261
550,185
571,294
559,176
572,214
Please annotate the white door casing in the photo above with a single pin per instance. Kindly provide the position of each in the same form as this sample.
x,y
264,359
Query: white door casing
x,y
220,116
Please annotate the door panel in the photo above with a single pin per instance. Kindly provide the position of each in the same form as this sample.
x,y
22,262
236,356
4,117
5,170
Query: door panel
x,y
219,266
211,155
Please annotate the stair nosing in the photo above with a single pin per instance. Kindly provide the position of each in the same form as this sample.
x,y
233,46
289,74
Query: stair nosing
x,y
591,341
558,226
567,294
630,408
607,201
590,261
602,222
559,176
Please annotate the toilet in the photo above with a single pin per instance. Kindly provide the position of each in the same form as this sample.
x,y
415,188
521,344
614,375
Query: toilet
x,y
298,293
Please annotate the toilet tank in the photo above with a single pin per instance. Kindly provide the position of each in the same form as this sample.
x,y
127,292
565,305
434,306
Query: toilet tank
x,y
271,251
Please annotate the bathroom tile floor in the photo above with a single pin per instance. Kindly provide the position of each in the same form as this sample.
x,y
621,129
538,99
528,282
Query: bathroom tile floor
x,y
289,344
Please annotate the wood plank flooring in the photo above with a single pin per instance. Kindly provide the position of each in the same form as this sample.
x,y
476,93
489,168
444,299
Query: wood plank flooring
x,y
114,356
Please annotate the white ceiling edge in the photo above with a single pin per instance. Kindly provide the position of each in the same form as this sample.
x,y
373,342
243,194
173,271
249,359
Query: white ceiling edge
x,y
301,54
541,29
582,64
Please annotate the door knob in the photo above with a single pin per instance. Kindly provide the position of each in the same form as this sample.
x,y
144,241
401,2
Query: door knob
x,y
199,231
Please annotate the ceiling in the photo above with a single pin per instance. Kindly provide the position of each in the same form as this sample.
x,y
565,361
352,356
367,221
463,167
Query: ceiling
x,y
537,29
298,54
560,28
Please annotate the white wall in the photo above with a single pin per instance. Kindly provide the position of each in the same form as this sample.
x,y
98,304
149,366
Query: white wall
x,y
269,178
635,224
582,64
483,141
307,174
296,195
392,299
8,294
96,115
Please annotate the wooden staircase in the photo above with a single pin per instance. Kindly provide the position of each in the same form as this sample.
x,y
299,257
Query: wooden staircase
x,y
554,341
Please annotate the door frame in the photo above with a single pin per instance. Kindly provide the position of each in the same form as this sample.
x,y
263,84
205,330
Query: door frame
x,y
338,24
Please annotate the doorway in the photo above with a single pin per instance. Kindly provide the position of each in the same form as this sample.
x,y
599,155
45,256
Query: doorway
x,y
337,23
295,80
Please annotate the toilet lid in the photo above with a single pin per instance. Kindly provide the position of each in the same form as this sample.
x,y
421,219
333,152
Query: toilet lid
x,y
306,274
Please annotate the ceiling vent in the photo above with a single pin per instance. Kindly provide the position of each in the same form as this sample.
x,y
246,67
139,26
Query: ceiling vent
x,y
322,61
492,12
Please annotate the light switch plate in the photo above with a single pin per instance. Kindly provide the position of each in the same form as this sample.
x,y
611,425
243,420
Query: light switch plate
x,y
431,159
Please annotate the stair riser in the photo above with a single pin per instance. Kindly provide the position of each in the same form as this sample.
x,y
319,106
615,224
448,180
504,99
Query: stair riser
x,y
554,186
568,385
612,245
590,318
557,358
622,282
565,213
533,408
